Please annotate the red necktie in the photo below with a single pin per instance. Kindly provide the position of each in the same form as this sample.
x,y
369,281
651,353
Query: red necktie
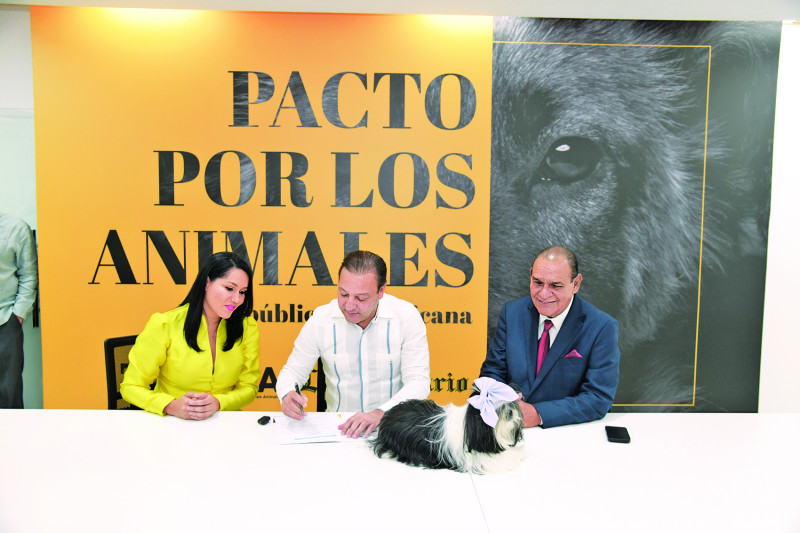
x,y
544,345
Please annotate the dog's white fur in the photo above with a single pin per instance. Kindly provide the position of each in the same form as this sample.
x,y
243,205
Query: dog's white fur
x,y
482,463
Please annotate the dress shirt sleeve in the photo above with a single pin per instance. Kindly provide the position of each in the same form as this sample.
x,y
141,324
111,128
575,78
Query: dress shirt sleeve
x,y
415,363
597,392
302,359
244,392
26,273
144,365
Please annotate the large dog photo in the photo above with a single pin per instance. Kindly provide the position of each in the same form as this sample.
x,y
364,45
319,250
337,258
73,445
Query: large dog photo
x,y
645,147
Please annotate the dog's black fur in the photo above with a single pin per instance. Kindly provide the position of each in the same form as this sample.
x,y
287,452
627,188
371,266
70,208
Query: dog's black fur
x,y
418,447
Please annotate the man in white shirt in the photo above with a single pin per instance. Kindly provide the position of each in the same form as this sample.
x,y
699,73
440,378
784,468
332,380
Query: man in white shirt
x,y
373,346
18,280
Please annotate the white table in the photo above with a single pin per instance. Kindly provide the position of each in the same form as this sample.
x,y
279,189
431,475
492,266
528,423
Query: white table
x,y
680,473
92,471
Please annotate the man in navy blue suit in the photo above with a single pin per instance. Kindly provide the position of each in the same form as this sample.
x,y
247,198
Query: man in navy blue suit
x,y
578,373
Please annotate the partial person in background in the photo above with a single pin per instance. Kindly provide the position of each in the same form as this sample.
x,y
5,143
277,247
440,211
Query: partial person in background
x,y
18,281
203,355
373,346
558,349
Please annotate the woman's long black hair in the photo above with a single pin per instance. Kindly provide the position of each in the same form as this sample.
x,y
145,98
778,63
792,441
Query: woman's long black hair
x,y
217,266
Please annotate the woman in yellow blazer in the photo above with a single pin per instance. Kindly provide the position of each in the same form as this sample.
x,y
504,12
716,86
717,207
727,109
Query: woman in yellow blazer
x,y
203,355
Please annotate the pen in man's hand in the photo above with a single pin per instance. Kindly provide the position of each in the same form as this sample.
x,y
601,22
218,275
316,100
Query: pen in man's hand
x,y
297,390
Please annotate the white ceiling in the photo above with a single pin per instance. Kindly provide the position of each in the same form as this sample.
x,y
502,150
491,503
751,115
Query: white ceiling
x,y
605,9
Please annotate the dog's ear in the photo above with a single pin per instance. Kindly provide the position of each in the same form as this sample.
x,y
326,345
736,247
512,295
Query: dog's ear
x,y
478,436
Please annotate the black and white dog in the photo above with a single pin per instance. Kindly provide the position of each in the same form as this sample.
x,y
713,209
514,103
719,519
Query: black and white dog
x,y
482,436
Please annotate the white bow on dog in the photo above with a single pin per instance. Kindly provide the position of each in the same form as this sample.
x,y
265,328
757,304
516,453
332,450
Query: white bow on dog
x,y
492,392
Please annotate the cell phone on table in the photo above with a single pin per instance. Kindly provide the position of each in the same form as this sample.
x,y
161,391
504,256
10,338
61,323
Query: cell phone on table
x,y
617,434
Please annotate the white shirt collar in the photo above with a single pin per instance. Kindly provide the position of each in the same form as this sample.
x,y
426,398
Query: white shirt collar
x,y
557,321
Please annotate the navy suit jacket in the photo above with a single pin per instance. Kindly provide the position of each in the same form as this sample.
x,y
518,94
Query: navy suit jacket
x,y
579,376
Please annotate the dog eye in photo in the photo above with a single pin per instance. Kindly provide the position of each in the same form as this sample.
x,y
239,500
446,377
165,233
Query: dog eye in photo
x,y
570,159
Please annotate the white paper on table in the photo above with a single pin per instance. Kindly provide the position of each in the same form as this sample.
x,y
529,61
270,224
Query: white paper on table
x,y
315,427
